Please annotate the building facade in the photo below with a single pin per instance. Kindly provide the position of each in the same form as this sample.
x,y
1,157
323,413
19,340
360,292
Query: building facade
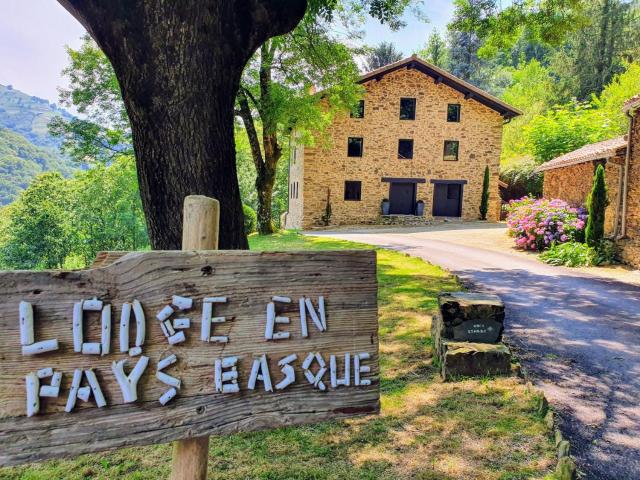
x,y
416,146
570,176
630,217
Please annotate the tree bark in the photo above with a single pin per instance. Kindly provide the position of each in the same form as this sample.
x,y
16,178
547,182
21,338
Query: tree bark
x,y
179,66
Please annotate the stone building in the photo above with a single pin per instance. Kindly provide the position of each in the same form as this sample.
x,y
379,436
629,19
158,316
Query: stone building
x,y
419,140
570,177
629,229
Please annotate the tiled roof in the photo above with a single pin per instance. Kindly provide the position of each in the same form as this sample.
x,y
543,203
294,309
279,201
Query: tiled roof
x,y
593,151
442,76
632,103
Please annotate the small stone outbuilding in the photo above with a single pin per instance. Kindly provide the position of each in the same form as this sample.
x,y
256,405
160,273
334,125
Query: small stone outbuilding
x,y
420,140
570,177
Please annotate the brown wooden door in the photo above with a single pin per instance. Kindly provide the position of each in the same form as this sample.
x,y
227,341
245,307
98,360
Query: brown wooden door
x,y
402,198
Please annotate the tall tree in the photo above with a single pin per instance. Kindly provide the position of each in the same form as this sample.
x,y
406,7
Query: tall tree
x,y
596,205
593,54
464,45
179,66
277,95
104,132
436,50
40,231
382,54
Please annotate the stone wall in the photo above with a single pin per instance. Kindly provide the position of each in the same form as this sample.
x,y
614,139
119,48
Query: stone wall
x,y
327,166
631,246
293,217
573,184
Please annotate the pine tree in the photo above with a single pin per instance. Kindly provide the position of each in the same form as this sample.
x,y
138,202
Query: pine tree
x,y
436,51
381,55
596,205
484,201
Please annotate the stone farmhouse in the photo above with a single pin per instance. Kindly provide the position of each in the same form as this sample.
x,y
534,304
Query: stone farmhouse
x,y
415,148
570,177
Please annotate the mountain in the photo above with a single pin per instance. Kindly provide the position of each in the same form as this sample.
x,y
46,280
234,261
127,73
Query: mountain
x,y
29,116
21,161
26,148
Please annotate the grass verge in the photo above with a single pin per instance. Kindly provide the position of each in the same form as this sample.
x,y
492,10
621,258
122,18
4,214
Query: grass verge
x,y
428,430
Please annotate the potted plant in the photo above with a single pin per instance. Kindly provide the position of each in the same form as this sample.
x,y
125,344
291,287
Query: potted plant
x,y
419,208
385,206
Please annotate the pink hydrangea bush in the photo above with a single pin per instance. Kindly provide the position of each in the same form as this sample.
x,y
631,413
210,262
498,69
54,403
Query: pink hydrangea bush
x,y
536,224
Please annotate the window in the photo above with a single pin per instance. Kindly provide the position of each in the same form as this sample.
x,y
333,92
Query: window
x,y
405,148
354,149
451,150
358,111
352,190
407,109
453,112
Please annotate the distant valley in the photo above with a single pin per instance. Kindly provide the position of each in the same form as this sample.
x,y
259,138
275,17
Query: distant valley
x,y
26,147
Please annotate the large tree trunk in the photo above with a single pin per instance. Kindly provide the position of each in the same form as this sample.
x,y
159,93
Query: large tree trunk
x,y
179,65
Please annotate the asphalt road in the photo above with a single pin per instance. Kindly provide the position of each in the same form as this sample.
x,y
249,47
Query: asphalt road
x,y
577,335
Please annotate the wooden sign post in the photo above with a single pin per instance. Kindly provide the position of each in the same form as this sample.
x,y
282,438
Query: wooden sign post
x,y
200,228
166,345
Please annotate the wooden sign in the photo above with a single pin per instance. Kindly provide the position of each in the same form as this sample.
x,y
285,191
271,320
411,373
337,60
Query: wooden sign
x,y
162,346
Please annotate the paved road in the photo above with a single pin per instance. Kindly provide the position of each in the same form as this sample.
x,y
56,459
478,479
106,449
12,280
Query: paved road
x,y
578,335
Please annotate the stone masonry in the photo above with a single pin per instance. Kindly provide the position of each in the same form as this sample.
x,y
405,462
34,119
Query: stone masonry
x,y
319,172
573,184
630,246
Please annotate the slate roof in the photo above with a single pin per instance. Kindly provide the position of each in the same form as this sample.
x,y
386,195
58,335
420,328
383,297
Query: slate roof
x,y
442,76
593,151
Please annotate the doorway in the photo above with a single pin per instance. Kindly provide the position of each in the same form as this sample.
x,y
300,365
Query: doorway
x,y
402,198
447,199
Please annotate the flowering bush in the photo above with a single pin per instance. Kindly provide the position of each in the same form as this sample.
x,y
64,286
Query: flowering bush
x,y
537,224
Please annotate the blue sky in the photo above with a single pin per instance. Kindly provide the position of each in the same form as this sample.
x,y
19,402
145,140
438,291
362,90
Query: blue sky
x,y
33,34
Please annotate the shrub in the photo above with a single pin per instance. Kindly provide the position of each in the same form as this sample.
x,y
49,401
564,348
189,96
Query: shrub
x,y
596,204
576,254
484,201
522,179
538,224
250,219
570,254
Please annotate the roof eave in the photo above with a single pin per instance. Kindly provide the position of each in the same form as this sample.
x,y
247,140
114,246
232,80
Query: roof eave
x,y
442,76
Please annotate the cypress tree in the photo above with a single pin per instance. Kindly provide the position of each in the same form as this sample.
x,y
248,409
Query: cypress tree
x,y
484,201
596,205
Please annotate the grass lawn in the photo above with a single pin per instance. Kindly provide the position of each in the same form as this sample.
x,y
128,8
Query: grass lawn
x,y
472,429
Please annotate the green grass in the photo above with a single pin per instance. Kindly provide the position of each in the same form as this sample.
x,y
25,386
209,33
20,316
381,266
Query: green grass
x,y
427,430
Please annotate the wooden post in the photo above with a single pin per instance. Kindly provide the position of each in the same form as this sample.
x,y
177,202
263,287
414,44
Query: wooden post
x,y
201,219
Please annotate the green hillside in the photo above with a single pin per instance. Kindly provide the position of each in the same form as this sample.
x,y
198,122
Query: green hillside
x,y
29,116
21,161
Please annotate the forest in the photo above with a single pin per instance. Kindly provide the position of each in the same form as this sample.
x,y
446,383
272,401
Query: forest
x,y
569,78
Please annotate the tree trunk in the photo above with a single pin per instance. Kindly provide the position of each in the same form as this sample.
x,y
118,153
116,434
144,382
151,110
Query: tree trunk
x,y
179,66
264,187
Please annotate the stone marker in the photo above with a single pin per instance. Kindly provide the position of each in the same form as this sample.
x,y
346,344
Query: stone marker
x,y
474,359
473,317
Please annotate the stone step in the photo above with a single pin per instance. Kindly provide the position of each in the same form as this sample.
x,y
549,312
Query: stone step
x,y
474,359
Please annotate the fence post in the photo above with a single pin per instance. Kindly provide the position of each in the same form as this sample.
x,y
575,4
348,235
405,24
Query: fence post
x,y
201,218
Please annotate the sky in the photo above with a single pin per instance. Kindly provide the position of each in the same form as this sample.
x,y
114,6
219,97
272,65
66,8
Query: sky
x,y
33,35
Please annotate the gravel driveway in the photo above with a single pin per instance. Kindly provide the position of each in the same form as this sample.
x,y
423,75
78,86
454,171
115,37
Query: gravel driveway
x,y
577,334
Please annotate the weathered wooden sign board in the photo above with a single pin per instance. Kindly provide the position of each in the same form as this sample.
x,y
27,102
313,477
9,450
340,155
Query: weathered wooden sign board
x,y
216,342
